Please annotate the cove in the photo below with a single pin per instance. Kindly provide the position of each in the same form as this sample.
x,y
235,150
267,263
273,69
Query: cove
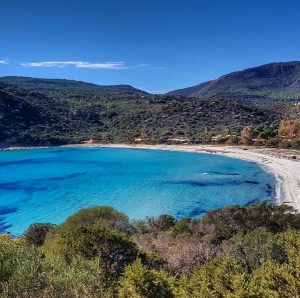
x,y
48,185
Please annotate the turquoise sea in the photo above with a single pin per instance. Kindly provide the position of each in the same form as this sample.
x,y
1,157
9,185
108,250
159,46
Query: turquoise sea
x,y
48,185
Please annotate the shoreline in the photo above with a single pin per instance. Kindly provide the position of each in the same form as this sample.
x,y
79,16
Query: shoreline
x,y
278,162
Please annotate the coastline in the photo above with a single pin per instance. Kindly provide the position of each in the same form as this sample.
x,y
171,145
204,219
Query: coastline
x,y
278,162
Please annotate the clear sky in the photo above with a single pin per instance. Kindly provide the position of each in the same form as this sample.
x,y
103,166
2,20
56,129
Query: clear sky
x,y
155,45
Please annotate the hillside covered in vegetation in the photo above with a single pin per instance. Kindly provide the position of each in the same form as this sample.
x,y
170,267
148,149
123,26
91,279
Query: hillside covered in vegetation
x,y
60,86
52,112
98,252
274,81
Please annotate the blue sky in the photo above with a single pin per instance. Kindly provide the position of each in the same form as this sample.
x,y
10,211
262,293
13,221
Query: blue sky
x,y
155,45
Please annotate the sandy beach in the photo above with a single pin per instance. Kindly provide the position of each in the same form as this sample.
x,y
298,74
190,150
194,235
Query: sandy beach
x,y
282,163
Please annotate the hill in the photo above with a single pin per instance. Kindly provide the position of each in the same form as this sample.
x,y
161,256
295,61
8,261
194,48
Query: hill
x,y
274,81
54,86
33,118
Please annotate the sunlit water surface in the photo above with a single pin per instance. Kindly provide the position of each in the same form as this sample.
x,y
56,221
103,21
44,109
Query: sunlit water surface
x,y
48,185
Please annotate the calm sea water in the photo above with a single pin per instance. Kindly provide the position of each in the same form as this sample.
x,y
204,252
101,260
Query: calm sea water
x,y
48,185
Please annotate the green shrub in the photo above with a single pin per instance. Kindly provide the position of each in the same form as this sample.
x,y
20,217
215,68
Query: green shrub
x,y
162,223
182,227
140,226
231,220
268,133
21,272
113,248
222,277
100,215
255,248
36,233
273,280
140,282
80,278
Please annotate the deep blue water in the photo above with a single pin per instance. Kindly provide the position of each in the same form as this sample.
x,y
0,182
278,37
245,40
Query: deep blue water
x,y
48,185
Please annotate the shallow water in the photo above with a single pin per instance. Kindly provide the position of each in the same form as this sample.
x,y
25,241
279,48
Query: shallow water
x,y
48,185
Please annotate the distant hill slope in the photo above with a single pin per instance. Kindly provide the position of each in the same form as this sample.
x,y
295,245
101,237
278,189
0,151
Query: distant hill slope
x,y
51,86
32,118
274,81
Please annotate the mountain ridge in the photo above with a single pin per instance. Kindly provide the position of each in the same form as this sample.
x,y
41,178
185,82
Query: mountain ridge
x,y
44,85
272,81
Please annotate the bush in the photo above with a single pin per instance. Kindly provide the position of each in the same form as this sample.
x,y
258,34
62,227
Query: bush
x,y
222,277
162,223
103,215
113,248
268,133
231,220
273,280
180,254
232,252
141,282
36,233
182,227
81,278
21,272
140,227
255,248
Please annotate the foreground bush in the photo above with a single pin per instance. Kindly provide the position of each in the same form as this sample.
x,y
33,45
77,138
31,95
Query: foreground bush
x,y
99,238
222,277
21,271
139,281
81,278
234,252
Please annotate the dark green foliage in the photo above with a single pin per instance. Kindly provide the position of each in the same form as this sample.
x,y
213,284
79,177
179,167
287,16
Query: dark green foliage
x,y
163,223
62,117
96,232
182,227
55,86
104,216
113,249
268,133
235,219
36,233
255,248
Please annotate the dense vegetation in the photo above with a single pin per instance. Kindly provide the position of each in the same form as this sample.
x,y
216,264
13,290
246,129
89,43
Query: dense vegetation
x,y
59,86
274,81
66,112
232,252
